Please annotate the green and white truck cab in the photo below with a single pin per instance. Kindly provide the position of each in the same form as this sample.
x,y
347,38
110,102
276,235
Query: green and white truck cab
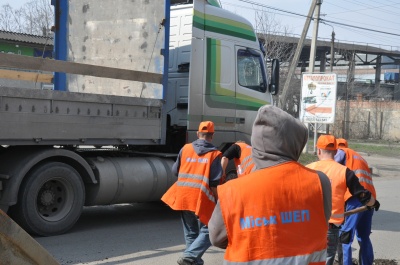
x,y
217,70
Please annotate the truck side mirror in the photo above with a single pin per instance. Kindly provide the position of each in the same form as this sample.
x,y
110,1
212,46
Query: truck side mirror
x,y
263,87
274,84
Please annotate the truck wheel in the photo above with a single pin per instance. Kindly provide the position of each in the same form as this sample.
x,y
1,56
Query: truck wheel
x,y
50,200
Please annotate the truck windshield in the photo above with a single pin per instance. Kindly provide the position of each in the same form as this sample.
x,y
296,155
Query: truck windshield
x,y
251,73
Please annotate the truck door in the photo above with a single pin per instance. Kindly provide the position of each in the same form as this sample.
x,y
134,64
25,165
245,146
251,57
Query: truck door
x,y
212,74
219,99
227,82
212,88
251,89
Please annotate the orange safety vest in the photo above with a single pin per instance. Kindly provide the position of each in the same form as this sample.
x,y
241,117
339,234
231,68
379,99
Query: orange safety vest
x,y
191,191
359,166
275,215
337,176
244,164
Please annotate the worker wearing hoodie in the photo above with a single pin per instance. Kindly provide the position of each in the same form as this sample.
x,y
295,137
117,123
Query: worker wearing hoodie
x,y
278,214
194,194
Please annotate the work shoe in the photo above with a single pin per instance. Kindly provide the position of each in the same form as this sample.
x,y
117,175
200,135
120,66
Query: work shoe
x,y
186,261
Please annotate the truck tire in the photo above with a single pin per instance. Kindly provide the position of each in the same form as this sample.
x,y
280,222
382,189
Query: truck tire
x,y
50,200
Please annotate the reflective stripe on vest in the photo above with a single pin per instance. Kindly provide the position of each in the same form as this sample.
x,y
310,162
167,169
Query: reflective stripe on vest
x,y
363,172
318,257
245,161
364,176
359,166
365,180
197,185
337,216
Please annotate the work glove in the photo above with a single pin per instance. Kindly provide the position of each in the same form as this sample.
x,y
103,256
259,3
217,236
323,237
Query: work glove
x,y
375,206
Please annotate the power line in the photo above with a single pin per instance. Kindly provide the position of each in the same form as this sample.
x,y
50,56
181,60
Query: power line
x,y
363,33
386,40
333,22
355,11
357,27
273,8
368,8
371,6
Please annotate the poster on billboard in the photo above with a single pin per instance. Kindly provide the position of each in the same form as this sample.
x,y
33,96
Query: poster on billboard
x,y
318,98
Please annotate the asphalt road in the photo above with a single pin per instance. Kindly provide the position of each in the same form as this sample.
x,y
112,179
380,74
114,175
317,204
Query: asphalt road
x,y
144,234
148,233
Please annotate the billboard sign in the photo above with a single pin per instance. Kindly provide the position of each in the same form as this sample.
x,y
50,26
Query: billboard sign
x,y
318,98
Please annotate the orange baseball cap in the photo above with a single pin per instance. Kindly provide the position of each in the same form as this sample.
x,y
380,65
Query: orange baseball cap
x,y
206,127
327,142
342,142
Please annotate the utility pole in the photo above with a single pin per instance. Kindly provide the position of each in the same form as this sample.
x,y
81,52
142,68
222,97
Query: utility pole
x,y
315,36
378,76
332,62
299,48
313,51
349,89
332,50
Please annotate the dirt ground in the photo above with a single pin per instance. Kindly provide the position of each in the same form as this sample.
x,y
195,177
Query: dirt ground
x,y
379,262
376,262
384,262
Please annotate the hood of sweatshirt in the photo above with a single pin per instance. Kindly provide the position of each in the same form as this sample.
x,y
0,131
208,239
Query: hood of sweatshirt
x,y
277,137
201,146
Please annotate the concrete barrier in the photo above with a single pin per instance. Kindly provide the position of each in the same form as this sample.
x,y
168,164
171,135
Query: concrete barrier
x,y
18,247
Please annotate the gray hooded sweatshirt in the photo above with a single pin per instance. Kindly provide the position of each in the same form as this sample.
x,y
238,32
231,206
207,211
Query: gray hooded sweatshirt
x,y
276,138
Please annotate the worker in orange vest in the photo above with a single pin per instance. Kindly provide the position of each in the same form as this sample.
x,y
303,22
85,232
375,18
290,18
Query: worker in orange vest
x,y
342,179
240,152
360,223
341,142
278,214
194,194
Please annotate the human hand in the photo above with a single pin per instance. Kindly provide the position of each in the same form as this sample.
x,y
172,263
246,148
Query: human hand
x,y
375,206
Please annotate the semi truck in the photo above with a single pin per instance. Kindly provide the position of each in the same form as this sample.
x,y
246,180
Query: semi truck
x,y
132,81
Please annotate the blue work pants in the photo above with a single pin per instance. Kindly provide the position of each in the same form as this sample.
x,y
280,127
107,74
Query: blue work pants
x,y
358,224
196,237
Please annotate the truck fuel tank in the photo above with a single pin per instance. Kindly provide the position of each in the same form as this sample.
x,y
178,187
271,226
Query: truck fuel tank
x,y
129,179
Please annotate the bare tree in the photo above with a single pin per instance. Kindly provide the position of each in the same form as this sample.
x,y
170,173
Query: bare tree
x,y
10,20
38,15
274,36
35,17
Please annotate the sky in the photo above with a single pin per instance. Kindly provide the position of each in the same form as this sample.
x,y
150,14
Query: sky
x,y
13,3
380,19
